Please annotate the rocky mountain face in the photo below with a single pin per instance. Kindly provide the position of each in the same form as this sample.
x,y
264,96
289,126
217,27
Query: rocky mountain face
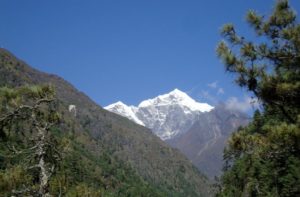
x,y
198,130
205,141
166,115
95,131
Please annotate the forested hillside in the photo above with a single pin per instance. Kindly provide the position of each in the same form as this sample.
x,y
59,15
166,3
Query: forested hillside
x,y
97,153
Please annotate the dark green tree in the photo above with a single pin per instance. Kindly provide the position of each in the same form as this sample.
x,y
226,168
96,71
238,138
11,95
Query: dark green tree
x,y
26,116
263,159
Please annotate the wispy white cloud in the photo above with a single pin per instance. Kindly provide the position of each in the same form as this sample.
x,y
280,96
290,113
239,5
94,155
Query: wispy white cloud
x,y
244,105
213,85
193,89
208,97
212,93
221,91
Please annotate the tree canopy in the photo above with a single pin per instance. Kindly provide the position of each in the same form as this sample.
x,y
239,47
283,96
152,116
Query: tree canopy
x,y
27,147
263,159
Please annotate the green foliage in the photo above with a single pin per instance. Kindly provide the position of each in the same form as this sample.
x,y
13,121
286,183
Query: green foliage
x,y
11,178
263,158
26,116
84,174
270,68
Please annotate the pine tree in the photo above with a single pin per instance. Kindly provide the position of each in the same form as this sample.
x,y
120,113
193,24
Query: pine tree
x,y
263,159
27,115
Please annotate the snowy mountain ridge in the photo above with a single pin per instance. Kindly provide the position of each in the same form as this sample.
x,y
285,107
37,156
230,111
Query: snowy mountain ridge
x,y
177,97
166,115
124,110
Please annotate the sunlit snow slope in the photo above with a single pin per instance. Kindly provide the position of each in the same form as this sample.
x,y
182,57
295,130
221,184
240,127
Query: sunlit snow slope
x,y
167,115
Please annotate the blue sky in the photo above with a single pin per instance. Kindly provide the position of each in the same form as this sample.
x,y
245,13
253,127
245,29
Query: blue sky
x,y
129,50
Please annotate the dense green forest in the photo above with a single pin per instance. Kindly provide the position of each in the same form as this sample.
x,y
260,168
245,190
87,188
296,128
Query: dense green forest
x,y
263,159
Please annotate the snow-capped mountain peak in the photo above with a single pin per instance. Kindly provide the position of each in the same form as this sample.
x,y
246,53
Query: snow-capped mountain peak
x,y
166,115
177,93
124,110
177,97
